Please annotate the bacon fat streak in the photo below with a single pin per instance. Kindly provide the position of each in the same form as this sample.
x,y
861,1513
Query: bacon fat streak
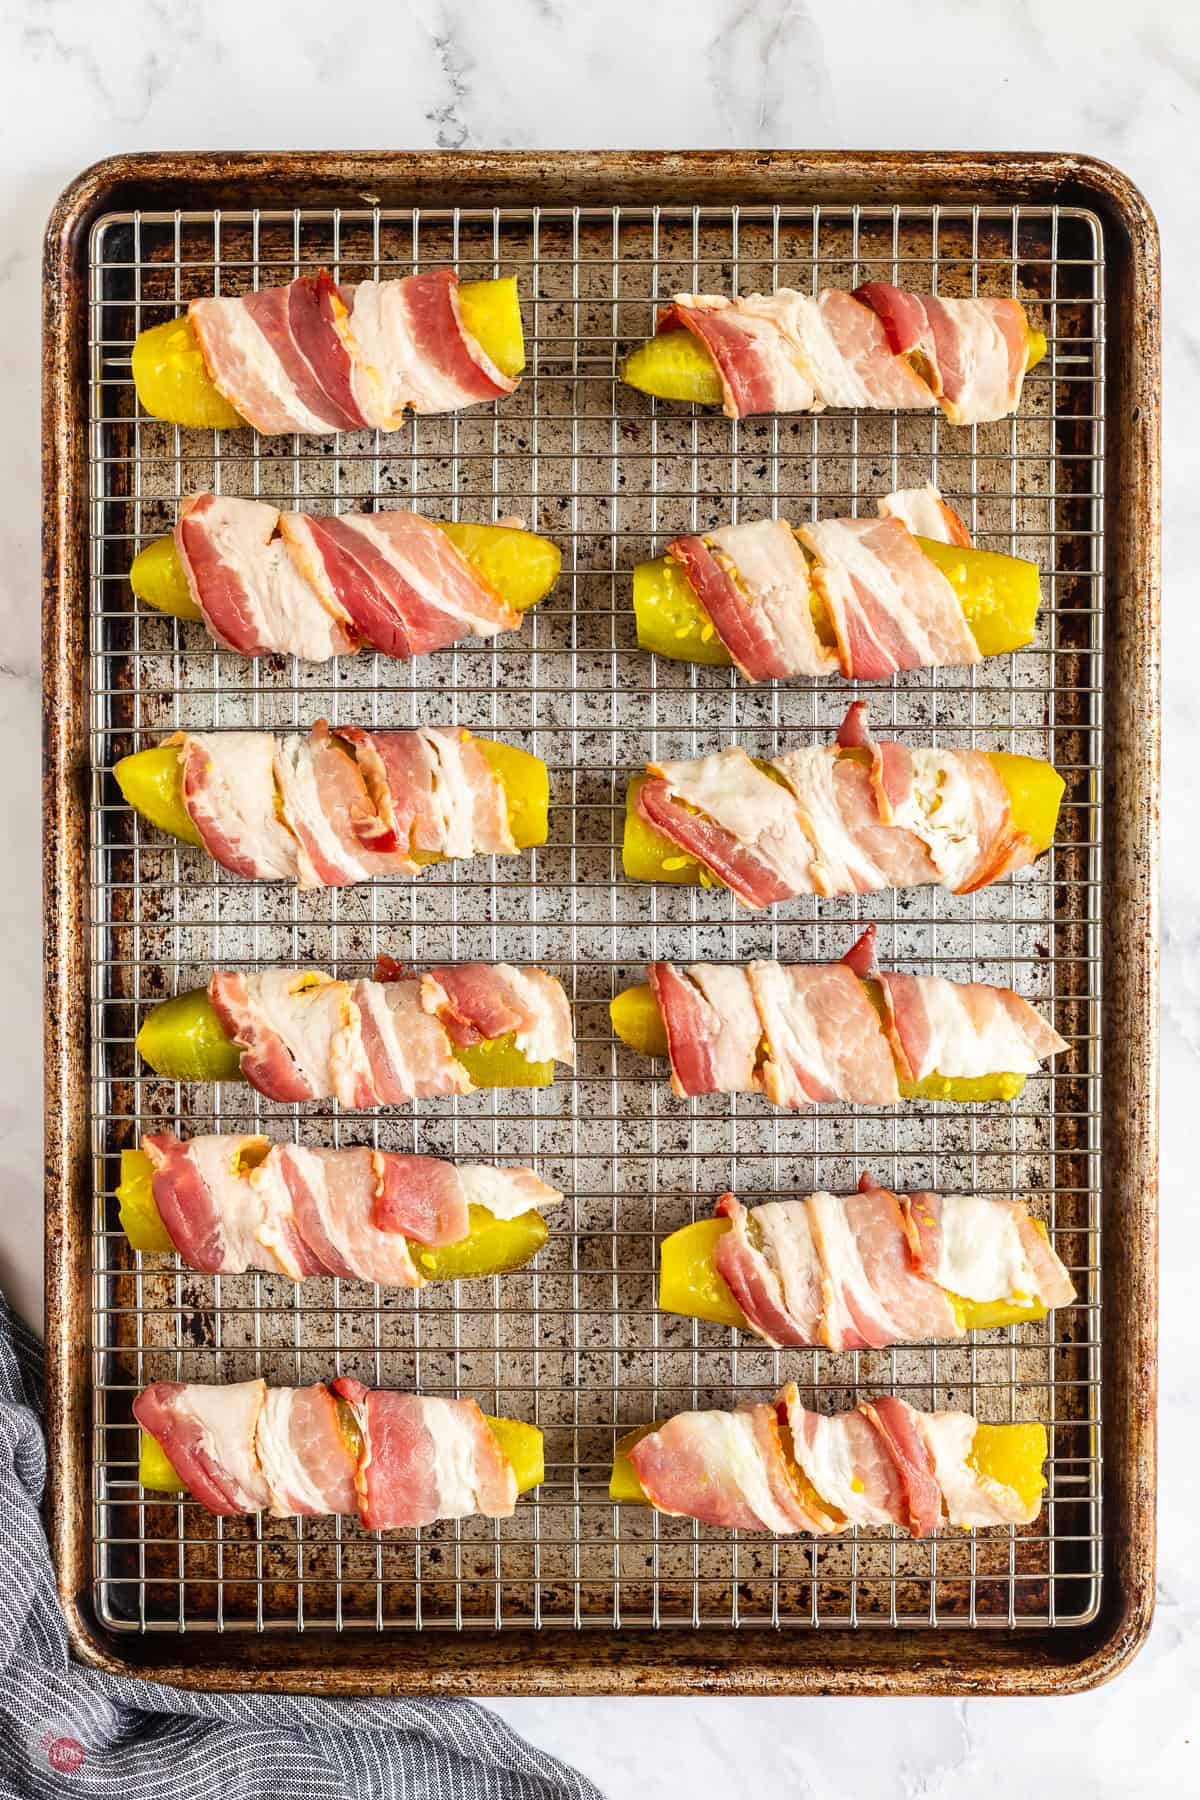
x,y
398,1460
883,1464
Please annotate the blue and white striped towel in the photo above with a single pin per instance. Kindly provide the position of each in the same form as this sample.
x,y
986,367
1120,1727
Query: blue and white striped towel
x,y
67,1730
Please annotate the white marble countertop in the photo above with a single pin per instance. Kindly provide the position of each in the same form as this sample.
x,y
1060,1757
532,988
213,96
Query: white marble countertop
x,y
1121,81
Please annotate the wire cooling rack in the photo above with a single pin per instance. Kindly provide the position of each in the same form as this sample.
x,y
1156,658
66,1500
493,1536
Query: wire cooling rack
x,y
575,1342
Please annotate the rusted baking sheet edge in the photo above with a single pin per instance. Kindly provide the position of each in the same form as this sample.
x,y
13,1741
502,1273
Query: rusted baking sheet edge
x,y
599,1661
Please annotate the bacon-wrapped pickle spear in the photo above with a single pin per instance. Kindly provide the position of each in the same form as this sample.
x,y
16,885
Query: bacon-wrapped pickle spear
x,y
878,347
316,357
801,1033
225,1204
865,1270
856,816
300,1034
336,806
782,1468
864,597
400,1461
316,586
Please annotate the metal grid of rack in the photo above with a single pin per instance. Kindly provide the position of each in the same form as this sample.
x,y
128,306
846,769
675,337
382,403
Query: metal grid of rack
x,y
575,1342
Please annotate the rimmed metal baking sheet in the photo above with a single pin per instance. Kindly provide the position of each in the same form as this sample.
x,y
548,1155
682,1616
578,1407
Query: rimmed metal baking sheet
x,y
575,1342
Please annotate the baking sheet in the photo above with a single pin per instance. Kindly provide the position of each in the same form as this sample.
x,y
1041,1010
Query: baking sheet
x,y
575,1342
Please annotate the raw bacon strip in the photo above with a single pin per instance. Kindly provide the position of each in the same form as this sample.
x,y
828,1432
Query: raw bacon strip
x,y
754,583
874,1295
850,355
397,580
973,352
410,348
743,628
771,575
341,806
409,1052
823,1036
272,807
968,1497
399,769
926,515
712,1027
432,790
227,1208
854,850
723,1468
305,1036
734,862
896,1423
770,1264
335,1196
284,1021
317,315
481,1000
210,1435
240,341
426,1459
420,1196
734,818
891,607
957,805
877,1268
323,799
297,323
843,348
963,1028
309,358
985,1249
398,1460
757,371
227,781
308,1463
847,1462
506,1192
251,594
